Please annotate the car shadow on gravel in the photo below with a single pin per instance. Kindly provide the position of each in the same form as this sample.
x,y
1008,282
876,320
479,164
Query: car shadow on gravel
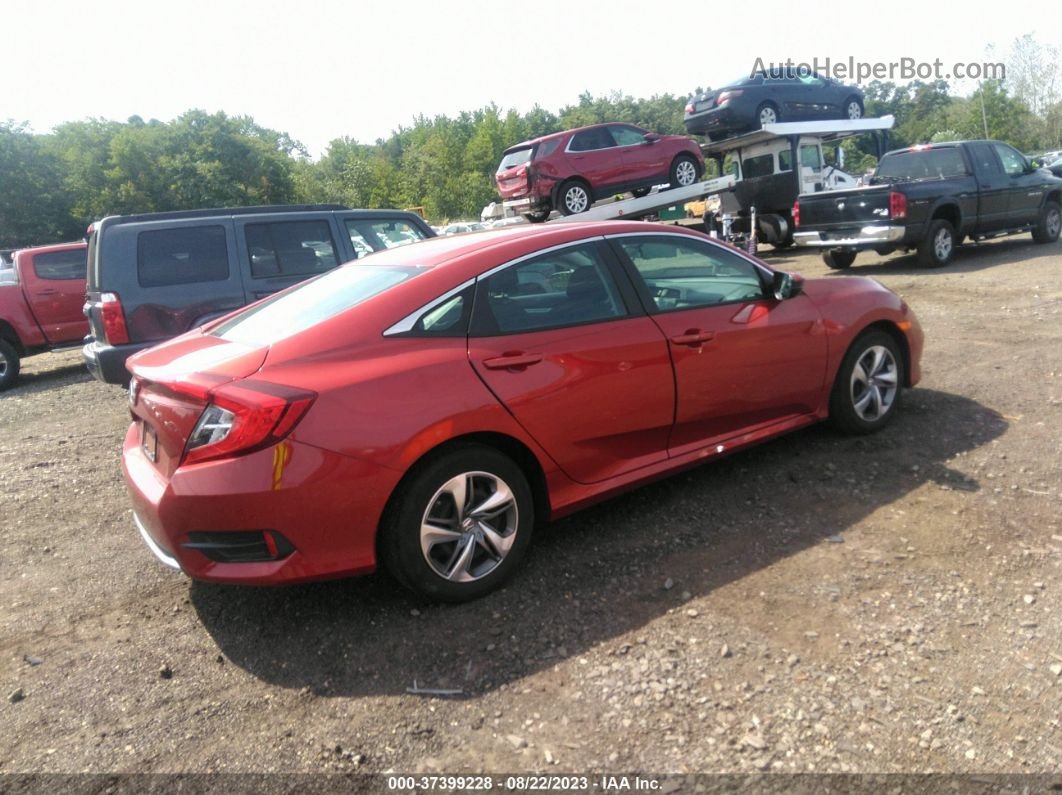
x,y
600,573
968,258
30,383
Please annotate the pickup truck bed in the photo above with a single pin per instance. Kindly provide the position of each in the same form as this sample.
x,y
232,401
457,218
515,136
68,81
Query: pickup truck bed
x,y
929,198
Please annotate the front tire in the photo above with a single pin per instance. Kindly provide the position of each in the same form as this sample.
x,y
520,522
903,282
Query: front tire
x,y
684,172
838,259
574,197
460,525
938,247
853,108
1049,224
866,392
9,364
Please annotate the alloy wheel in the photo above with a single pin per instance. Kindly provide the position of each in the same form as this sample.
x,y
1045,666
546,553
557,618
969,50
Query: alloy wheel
x,y
875,379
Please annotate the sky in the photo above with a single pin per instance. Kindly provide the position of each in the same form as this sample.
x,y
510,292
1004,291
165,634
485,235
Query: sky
x,y
320,70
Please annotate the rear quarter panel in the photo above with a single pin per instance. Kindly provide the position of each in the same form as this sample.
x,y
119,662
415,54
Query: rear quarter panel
x,y
16,320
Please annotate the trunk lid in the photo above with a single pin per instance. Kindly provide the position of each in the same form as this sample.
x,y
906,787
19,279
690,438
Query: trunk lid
x,y
171,387
512,175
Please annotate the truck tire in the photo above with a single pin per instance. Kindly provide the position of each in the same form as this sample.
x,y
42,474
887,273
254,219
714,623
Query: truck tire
x,y
1049,224
938,246
9,364
838,258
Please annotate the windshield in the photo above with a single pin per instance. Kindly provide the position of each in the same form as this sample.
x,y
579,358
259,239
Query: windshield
x,y
311,303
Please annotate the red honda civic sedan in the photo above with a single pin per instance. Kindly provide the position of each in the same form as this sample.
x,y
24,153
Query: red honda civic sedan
x,y
423,408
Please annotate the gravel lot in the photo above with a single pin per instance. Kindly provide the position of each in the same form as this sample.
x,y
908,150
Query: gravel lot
x,y
820,603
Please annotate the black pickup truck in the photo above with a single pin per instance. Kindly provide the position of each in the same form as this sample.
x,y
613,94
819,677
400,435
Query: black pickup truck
x,y
930,198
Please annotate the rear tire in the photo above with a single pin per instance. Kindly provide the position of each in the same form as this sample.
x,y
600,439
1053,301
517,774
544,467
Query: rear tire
x,y
853,109
537,216
9,365
838,259
459,526
767,114
1049,225
938,246
868,386
684,172
574,197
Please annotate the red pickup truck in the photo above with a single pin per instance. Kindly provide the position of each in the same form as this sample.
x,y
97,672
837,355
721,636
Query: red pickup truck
x,y
42,294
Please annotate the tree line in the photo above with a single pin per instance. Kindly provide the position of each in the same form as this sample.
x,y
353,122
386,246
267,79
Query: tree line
x,y
53,184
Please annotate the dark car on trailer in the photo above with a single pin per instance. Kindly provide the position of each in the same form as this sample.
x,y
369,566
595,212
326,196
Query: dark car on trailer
x,y
767,98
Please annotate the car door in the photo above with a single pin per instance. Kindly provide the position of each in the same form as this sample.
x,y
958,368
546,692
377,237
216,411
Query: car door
x,y
743,359
993,187
593,155
277,253
644,161
1025,189
55,285
564,346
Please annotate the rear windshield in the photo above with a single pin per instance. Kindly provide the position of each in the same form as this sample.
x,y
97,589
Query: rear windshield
x,y
516,158
311,303
60,265
921,164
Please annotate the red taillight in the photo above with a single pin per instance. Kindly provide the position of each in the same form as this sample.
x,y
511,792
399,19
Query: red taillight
x,y
897,205
726,96
243,417
113,317
796,214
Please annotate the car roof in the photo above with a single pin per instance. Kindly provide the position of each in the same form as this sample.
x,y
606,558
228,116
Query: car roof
x,y
572,131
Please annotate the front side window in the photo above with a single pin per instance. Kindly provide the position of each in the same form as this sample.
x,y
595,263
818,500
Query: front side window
x,y
684,274
563,288
809,157
59,265
182,255
1013,162
627,136
290,248
589,140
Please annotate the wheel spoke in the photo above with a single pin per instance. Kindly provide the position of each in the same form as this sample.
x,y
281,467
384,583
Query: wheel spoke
x,y
498,502
457,488
859,375
875,367
494,542
432,534
861,405
886,378
457,569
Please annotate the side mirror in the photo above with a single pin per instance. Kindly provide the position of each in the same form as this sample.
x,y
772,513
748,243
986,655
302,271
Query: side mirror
x,y
786,285
651,137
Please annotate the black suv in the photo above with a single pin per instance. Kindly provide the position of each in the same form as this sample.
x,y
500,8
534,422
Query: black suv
x,y
154,276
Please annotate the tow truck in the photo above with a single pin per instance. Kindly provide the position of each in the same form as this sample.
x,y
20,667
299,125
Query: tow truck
x,y
758,182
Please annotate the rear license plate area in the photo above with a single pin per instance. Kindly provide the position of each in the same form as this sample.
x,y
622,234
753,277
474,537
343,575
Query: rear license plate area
x,y
149,441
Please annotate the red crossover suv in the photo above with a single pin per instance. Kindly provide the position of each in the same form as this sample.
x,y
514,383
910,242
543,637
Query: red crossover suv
x,y
569,171
425,407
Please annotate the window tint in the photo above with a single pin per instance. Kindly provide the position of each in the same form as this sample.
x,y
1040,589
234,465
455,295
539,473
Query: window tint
x,y
759,166
182,255
290,248
587,140
684,274
448,319
1013,162
785,160
934,163
61,264
546,148
627,136
986,162
562,288
311,303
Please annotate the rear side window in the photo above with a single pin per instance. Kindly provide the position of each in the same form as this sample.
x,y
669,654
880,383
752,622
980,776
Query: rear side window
x,y
184,255
759,166
60,264
290,248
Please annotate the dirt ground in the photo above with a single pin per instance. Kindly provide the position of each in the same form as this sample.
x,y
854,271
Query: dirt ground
x,y
821,603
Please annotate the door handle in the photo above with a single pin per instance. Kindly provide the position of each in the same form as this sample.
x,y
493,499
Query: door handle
x,y
47,292
694,337
512,360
